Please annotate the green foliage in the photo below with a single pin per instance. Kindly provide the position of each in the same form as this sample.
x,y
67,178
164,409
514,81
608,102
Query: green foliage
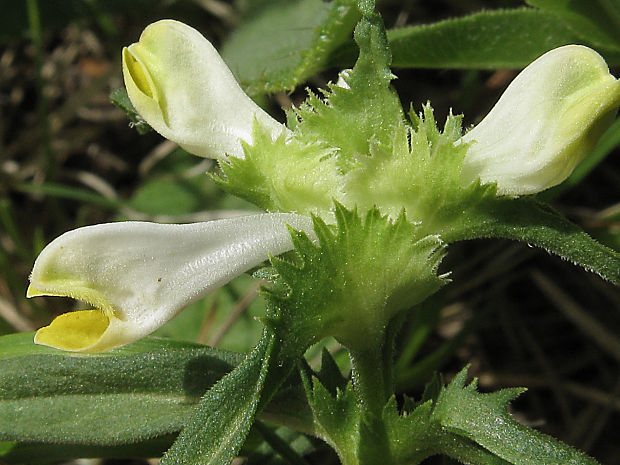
x,y
336,416
460,422
282,175
140,396
302,171
533,222
353,145
362,109
341,419
35,452
419,173
137,392
483,418
598,21
486,40
283,43
166,197
454,420
510,38
355,280
220,423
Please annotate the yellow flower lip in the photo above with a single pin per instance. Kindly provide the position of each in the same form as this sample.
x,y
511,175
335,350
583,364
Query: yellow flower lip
x,y
74,331
77,331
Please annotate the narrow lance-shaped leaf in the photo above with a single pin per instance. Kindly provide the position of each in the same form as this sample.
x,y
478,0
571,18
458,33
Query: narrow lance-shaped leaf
x,y
483,418
221,421
485,40
535,223
144,390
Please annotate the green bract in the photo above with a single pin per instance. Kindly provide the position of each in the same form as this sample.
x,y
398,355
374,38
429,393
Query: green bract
x,y
355,280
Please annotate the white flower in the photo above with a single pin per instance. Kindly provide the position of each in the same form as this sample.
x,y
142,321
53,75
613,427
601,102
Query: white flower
x,y
545,123
180,85
140,275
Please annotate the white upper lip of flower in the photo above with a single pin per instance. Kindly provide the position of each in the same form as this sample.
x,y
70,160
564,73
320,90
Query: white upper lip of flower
x,y
180,85
539,129
140,275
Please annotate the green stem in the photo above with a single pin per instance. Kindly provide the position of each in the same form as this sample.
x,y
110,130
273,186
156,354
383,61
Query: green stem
x,y
368,376
371,378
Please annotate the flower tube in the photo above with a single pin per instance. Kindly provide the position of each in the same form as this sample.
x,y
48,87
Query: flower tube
x,y
180,85
548,119
139,275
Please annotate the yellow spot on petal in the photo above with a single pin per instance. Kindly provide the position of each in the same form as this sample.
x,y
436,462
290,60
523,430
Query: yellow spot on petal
x,y
74,330
32,292
138,73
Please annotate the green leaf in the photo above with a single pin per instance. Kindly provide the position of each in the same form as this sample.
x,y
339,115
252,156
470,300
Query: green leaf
x,y
533,222
73,193
286,42
472,427
336,416
597,21
302,171
45,453
143,390
166,197
419,172
416,435
483,418
485,40
304,181
222,420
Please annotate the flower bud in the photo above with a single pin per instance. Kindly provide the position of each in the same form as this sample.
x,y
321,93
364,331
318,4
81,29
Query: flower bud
x,y
180,85
140,275
548,119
